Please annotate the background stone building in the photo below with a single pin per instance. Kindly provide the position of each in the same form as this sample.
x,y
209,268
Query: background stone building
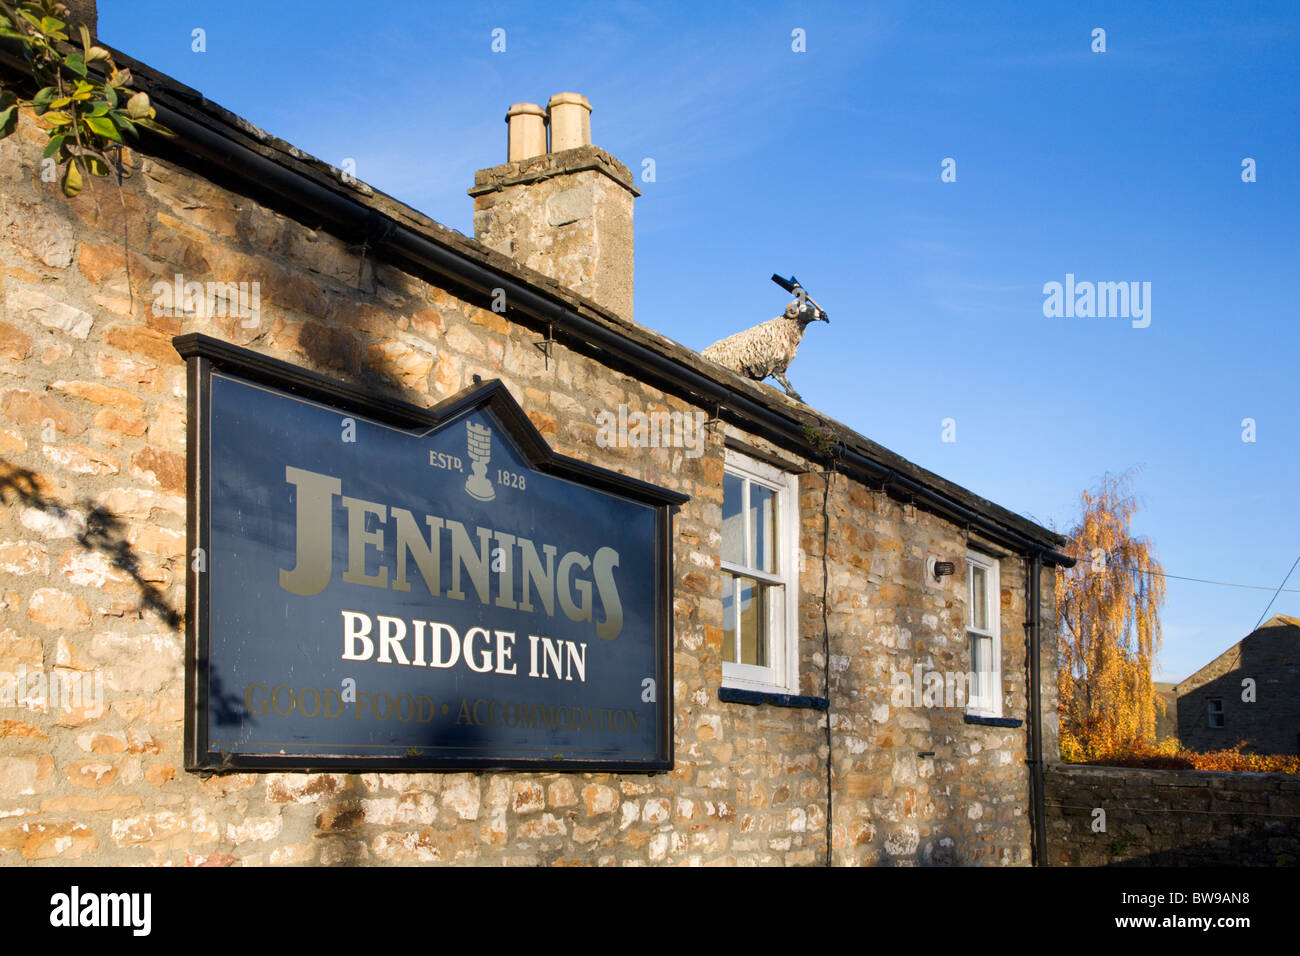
x,y
830,745
1213,710
1166,717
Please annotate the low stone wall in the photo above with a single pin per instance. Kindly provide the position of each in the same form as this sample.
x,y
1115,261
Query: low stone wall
x,y
1171,817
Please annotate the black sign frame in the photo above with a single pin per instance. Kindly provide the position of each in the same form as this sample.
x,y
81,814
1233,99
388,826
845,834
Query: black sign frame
x,y
203,356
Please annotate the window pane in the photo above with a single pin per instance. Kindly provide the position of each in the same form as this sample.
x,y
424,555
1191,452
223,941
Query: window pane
x,y
980,665
733,528
753,623
977,605
1216,712
728,618
762,507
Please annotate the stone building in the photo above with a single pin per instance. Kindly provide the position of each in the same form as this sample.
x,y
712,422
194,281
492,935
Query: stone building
x,y
1246,694
835,721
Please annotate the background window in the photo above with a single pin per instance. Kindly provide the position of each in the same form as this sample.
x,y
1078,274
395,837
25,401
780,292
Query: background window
x,y
983,636
1216,712
759,577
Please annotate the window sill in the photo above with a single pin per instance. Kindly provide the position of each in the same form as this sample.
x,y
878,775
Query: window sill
x,y
992,721
735,695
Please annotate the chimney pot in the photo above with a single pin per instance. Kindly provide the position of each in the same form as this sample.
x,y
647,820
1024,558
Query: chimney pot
x,y
570,121
527,131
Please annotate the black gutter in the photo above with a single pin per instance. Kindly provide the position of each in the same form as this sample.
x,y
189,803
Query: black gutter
x,y
383,234
888,477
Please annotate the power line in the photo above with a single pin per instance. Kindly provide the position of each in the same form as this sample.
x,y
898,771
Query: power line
x,y
1277,592
1225,584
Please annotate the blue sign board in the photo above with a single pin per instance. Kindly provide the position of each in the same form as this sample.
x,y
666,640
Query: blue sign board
x,y
377,585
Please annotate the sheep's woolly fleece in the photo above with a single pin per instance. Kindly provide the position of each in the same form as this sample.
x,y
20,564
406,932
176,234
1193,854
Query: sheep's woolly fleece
x,y
766,349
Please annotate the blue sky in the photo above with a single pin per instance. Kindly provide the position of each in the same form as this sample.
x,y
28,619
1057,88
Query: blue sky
x,y
1115,166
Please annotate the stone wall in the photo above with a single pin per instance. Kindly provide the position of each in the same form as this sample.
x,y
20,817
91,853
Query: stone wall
x,y
1172,817
92,553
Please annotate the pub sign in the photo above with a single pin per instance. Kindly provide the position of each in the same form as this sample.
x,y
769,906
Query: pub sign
x,y
374,585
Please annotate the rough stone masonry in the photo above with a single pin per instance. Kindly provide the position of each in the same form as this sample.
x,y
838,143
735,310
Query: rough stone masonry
x,y
93,559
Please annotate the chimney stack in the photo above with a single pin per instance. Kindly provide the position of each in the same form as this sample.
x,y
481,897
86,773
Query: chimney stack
x,y
566,212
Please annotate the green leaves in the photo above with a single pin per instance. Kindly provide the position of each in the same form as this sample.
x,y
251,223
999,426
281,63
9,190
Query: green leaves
x,y
155,127
95,165
91,54
8,113
102,126
44,99
72,180
138,108
124,123
81,92
54,145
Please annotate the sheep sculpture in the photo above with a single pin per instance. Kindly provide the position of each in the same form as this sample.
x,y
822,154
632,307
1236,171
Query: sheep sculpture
x,y
767,349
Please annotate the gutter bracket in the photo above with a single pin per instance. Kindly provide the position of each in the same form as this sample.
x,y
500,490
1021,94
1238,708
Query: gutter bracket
x,y
547,344
715,420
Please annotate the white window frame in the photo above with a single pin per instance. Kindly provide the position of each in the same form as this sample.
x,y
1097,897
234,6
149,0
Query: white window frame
x,y
989,705
782,676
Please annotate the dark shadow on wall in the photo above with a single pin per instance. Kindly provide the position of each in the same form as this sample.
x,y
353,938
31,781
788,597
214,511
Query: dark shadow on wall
x,y
101,532
341,816
1257,843
1165,837
226,707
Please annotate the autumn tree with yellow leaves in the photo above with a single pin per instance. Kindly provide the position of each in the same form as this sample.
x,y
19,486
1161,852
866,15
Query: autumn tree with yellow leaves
x,y
1108,628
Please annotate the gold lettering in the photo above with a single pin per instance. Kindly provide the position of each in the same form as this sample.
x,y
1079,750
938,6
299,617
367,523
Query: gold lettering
x,y
411,541
580,611
602,570
463,555
315,532
359,537
543,580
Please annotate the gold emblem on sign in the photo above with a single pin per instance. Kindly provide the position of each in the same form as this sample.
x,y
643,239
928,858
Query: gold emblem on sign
x,y
479,441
